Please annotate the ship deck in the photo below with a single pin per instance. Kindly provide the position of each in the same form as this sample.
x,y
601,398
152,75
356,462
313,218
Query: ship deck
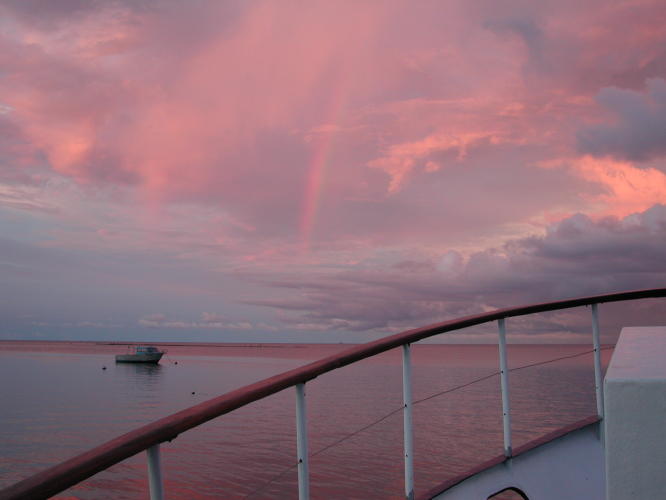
x,y
566,463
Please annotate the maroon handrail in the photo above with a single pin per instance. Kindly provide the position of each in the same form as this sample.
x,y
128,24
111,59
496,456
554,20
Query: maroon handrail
x,y
60,477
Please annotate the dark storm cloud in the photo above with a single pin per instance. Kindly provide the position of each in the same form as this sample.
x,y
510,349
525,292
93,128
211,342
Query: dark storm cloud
x,y
578,256
639,131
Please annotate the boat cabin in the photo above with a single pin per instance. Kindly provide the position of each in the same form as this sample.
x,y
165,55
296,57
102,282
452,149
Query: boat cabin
x,y
146,349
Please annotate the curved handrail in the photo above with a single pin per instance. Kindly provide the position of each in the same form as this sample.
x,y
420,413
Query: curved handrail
x,y
66,474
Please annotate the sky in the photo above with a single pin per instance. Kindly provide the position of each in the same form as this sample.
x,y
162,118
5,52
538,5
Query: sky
x,y
326,171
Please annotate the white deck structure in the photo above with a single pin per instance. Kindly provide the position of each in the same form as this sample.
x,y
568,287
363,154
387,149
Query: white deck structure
x,y
635,399
569,466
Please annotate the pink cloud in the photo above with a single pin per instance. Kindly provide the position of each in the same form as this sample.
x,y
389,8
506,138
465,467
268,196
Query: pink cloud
x,y
627,188
208,321
225,138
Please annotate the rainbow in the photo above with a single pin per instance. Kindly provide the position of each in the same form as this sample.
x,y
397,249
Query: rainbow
x,y
317,168
313,190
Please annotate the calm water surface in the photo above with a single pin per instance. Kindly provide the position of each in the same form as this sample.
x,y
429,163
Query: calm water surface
x,y
57,401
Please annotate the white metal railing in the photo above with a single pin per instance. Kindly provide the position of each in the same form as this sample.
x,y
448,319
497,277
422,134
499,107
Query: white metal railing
x,y
302,443
408,431
155,473
407,421
408,439
598,382
504,387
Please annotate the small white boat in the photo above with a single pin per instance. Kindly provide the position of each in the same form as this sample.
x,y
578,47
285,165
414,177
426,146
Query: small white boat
x,y
141,354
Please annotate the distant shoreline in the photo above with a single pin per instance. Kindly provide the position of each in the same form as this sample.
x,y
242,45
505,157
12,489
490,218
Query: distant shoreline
x,y
176,344
266,344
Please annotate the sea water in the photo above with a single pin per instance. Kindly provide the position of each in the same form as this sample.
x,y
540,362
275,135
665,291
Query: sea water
x,y
59,399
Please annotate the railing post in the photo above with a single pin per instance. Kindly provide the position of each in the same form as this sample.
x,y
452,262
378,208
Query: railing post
x,y
504,381
598,383
407,421
302,444
155,473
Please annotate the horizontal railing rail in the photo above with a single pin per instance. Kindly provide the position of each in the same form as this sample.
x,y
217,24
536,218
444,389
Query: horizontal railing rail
x,y
66,474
